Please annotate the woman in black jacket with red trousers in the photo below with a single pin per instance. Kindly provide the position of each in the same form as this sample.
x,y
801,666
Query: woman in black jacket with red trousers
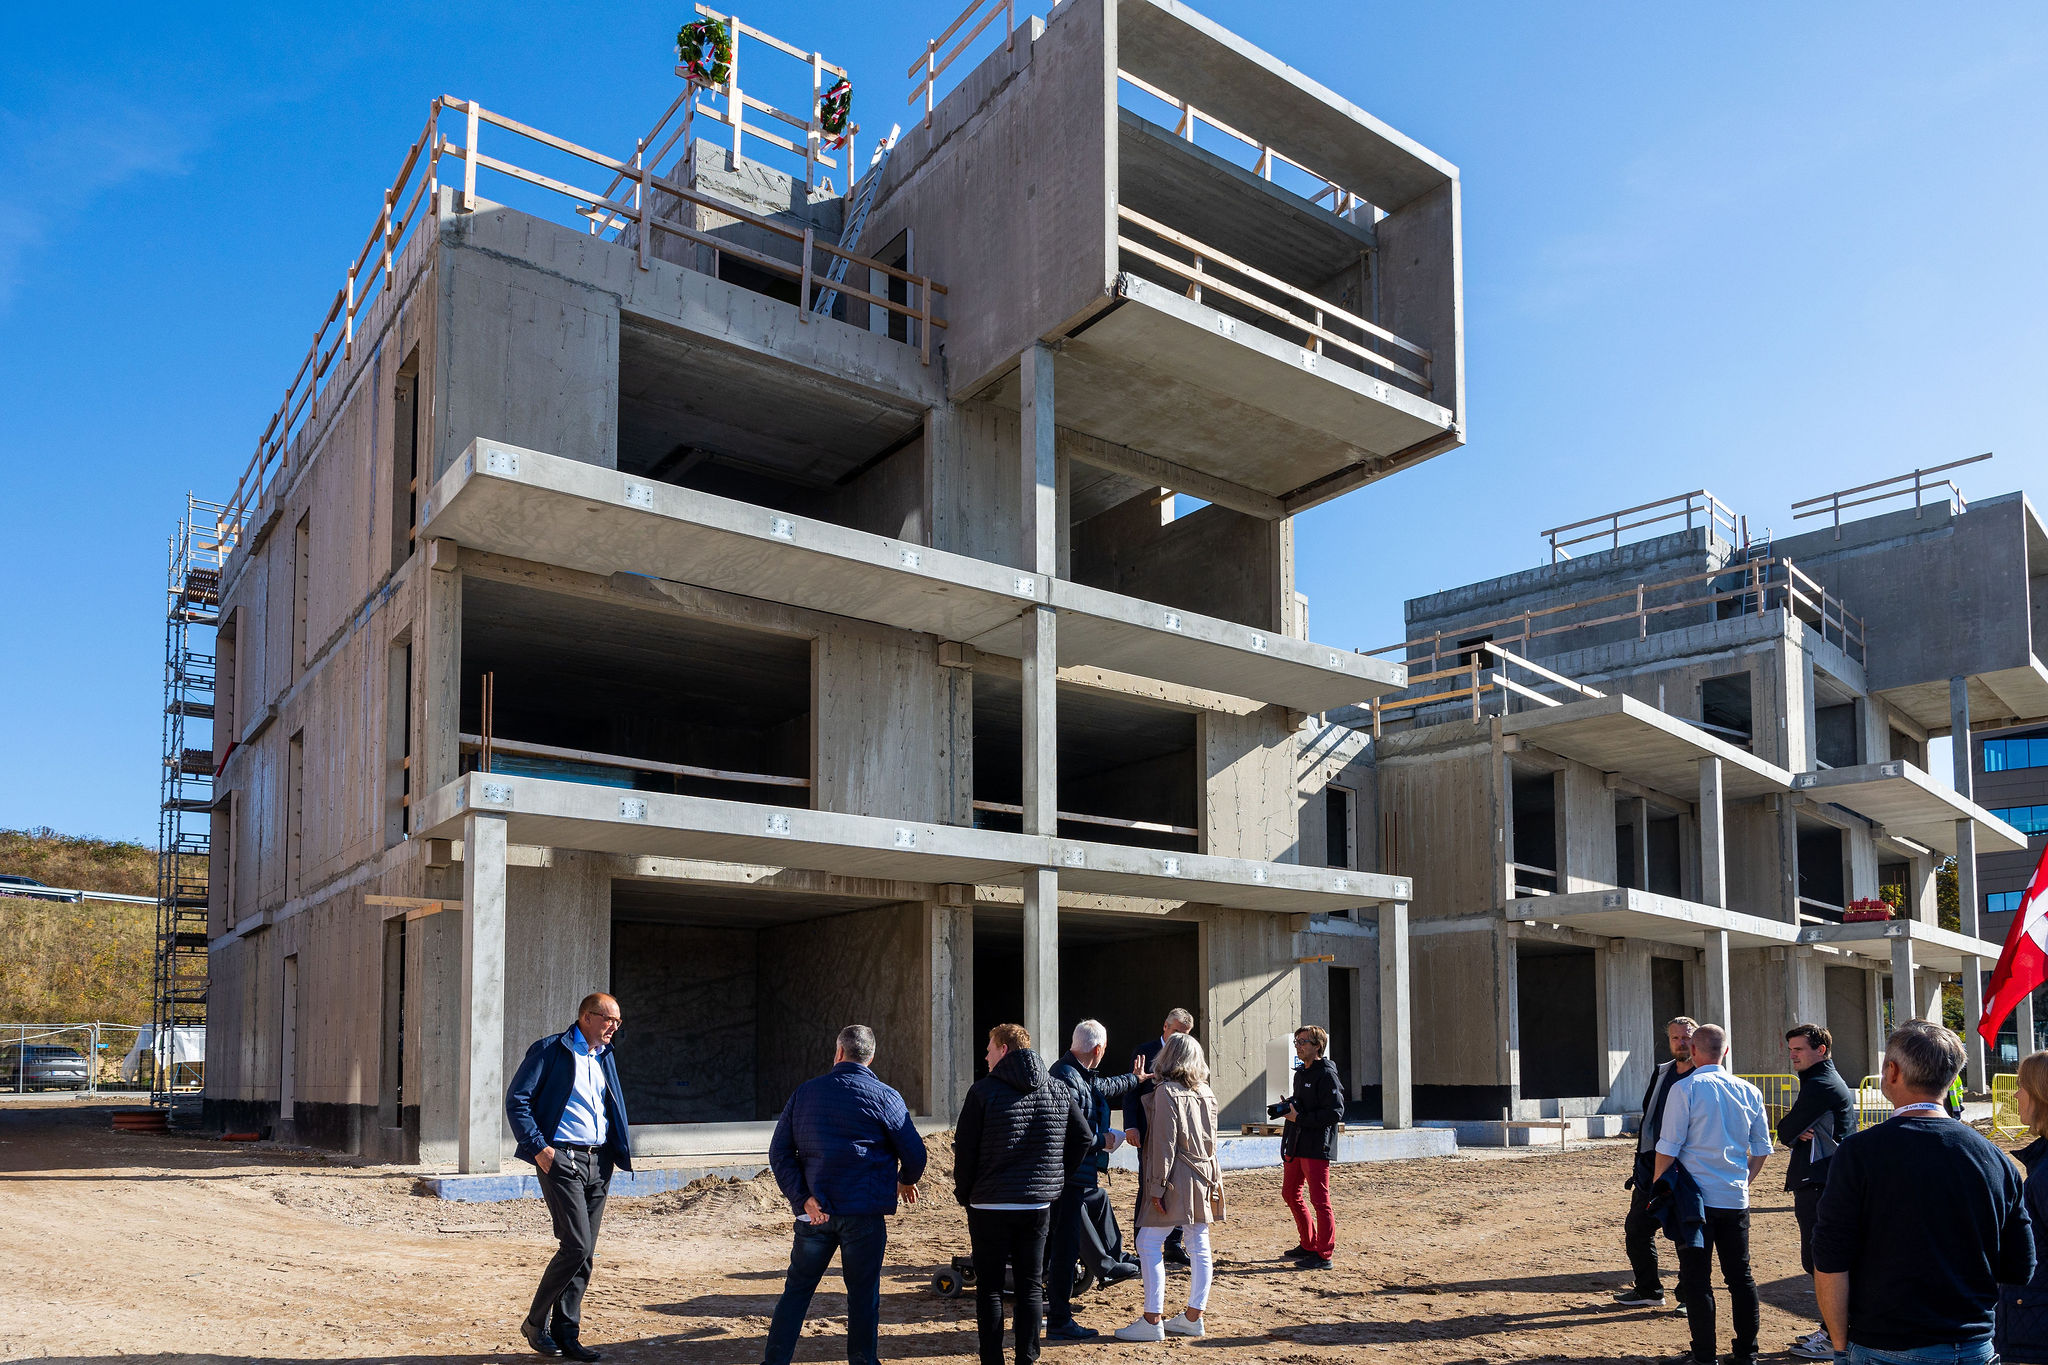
x,y
2022,1333
1307,1142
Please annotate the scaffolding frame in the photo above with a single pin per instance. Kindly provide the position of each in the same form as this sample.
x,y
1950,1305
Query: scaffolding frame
x,y
185,811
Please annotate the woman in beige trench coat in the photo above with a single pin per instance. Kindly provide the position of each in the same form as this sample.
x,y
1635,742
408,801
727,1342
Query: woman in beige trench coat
x,y
1183,1186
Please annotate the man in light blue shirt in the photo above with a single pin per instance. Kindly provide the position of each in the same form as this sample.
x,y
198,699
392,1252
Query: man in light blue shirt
x,y
1714,1129
583,1112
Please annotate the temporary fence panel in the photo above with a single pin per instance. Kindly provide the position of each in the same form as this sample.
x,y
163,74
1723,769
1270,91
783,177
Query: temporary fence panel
x,y
85,1058
2005,1108
1779,1093
1871,1105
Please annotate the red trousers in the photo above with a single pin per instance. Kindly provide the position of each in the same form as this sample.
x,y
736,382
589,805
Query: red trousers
x,y
1318,1234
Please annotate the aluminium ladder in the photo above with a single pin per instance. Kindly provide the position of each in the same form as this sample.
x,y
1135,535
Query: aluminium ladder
x,y
859,202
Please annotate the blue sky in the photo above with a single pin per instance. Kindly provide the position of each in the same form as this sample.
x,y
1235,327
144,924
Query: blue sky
x,y
1768,251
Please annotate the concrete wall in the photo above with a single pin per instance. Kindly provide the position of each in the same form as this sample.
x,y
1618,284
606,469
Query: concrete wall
x,y
1008,194
1440,811
1254,986
1215,561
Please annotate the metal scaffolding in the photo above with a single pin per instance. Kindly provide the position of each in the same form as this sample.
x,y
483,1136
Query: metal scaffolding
x,y
184,824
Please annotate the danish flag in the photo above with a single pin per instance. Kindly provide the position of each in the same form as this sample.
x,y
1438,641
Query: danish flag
x,y
2023,963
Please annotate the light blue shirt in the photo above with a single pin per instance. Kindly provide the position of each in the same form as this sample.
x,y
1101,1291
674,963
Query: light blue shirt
x,y
583,1115
1713,1124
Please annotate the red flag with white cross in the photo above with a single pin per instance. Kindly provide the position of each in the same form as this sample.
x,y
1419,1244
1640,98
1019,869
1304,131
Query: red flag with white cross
x,y
2023,964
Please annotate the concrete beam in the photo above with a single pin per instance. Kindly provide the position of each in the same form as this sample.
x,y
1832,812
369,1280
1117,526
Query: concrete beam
x,y
1397,1063
481,1080
1713,835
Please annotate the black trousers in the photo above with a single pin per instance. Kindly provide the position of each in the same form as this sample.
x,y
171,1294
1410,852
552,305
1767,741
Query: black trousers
x,y
1063,1248
1727,1237
1639,1231
1805,1207
1014,1238
575,1189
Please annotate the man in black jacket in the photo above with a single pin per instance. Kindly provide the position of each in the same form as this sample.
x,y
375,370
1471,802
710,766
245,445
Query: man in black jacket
x,y
1822,1115
1177,1021
1921,1220
1639,1231
1019,1137
1093,1092
1307,1142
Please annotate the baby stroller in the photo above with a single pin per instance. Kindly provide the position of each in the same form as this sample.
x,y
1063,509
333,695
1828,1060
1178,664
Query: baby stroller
x,y
1102,1255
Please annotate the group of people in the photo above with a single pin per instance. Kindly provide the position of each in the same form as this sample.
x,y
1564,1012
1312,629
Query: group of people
x,y
1918,1231
1030,1147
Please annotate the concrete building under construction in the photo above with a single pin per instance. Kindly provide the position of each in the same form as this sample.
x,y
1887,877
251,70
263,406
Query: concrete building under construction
x,y
1657,777
751,581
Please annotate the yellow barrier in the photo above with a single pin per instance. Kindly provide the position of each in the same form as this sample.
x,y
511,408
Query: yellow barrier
x,y
1871,1105
1779,1092
2005,1112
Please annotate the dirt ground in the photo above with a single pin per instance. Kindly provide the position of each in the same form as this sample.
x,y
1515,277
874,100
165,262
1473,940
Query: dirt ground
x,y
117,1246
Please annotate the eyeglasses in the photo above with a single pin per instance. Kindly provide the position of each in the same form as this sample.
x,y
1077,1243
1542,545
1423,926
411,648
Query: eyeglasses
x,y
611,1019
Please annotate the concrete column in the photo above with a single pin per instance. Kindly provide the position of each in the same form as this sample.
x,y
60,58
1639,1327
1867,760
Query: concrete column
x,y
1713,842
1397,1065
1905,994
1921,901
1975,1072
2023,1022
1039,501
1639,841
1873,993
480,1104
1715,971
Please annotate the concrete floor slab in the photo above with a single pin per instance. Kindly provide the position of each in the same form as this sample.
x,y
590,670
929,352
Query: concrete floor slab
x,y
607,820
1935,948
1632,739
542,507
1907,801
1627,913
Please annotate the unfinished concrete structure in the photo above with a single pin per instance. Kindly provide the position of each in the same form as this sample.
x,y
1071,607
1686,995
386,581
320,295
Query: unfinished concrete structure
x,y
1648,780
780,634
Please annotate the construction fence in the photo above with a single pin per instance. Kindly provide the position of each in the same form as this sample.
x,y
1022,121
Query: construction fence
x,y
1779,1092
98,1058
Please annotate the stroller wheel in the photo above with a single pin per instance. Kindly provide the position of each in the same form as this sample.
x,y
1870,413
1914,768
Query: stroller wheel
x,y
1084,1280
946,1284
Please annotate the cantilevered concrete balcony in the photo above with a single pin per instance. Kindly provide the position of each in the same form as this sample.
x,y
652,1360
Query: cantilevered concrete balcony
x,y
606,820
1908,802
1249,276
531,505
1905,943
1626,913
1635,741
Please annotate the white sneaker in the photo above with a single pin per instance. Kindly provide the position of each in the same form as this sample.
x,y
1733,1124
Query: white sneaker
x,y
1815,1345
1141,1330
1181,1325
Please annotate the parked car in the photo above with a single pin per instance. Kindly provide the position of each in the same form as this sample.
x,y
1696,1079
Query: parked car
x,y
42,1066
12,884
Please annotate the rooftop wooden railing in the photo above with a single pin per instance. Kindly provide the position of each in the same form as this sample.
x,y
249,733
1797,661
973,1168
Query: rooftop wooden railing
x,y
418,184
1342,202
933,65
1915,485
1486,669
1761,585
1295,309
1713,513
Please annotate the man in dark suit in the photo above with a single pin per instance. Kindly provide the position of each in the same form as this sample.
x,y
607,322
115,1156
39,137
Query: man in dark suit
x,y
569,1116
1177,1021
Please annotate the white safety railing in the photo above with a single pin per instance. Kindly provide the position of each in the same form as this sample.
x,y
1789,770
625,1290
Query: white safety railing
x,y
419,183
1206,271
927,69
1915,485
1608,526
1317,188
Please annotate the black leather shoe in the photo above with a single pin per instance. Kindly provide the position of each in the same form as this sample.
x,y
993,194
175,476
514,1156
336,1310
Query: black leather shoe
x,y
539,1340
1296,1254
1313,1263
1175,1256
1121,1271
576,1350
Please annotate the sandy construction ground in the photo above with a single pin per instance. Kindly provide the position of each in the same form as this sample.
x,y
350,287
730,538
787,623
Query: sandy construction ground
x,y
118,1245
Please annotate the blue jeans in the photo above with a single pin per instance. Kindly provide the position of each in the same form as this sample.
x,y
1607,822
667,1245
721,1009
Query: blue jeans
x,y
860,1240
1975,1353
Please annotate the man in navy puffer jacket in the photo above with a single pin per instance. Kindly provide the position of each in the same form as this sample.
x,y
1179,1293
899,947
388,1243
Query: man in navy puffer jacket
x,y
1020,1136
844,1151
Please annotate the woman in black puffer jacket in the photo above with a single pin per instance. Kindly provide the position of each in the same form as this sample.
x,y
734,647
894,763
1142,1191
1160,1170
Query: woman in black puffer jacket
x,y
2022,1336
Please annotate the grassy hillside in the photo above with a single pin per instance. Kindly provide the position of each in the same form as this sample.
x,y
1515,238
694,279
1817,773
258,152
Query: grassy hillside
x,y
77,963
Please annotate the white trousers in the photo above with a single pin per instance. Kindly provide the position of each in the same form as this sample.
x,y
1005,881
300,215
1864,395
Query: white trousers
x,y
1152,1258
